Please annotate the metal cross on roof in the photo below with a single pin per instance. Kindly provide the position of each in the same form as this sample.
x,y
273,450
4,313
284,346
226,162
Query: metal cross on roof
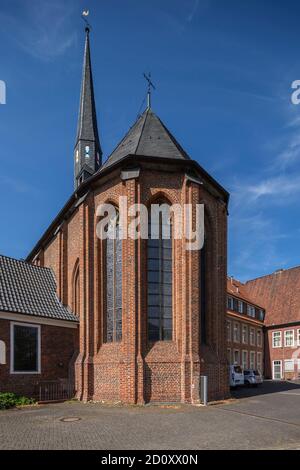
x,y
150,85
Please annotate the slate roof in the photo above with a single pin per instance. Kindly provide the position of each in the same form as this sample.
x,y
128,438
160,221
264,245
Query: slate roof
x,y
279,294
87,128
30,290
147,137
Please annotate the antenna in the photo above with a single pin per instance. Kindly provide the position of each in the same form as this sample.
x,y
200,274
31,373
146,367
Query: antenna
x,y
84,16
150,85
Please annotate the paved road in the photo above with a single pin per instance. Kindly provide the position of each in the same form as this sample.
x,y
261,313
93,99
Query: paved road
x,y
267,418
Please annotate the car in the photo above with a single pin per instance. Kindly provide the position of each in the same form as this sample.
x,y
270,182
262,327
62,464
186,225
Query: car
x,y
252,377
236,376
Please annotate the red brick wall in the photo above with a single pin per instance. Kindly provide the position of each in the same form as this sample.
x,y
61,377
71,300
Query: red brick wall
x,y
57,350
134,371
239,346
283,353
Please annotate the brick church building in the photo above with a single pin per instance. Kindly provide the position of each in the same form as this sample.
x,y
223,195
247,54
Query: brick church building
x,y
151,314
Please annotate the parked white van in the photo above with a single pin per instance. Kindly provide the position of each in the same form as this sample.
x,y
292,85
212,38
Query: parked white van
x,y
236,376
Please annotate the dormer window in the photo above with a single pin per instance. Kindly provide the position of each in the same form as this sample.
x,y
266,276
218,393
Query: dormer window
x,y
230,303
87,152
77,156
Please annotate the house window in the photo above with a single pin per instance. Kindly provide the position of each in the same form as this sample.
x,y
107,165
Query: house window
x,y
113,283
240,306
236,356
244,334
259,361
289,365
259,338
252,336
228,330
245,359
230,303
276,339
298,337
2,352
289,338
251,311
229,355
159,269
261,315
236,332
25,349
252,360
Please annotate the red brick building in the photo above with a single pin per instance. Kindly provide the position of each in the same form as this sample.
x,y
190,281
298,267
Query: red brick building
x,y
279,294
244,324
151,313
38,335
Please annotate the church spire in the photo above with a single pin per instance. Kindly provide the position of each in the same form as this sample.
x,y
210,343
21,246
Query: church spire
x,y
88,153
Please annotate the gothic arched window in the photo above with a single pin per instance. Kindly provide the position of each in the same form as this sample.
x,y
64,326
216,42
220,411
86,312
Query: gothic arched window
x,y
203,293
113,265
76,291
159,277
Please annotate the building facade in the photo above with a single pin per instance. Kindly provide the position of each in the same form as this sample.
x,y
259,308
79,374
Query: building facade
x,y
151,312
244,327
279,293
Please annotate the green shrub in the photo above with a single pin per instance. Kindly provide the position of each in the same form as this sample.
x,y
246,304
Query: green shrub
x,y
9,400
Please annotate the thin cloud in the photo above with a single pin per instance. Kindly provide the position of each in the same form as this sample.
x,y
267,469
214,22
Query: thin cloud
x,y
16,185
47,32
279,187
193,12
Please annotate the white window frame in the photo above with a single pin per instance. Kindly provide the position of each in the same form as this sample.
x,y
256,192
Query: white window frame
x,y
252,337
243,363
298,337
287,361
239,360
259,364
259,335
245,327
230,303
280,339
12,347
273,366
229,330
240,306
252,364
261,314
229,353
250,311
2,352
285,339
238,330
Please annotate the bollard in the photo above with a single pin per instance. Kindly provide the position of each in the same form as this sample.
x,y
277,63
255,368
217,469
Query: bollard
x,y
203,389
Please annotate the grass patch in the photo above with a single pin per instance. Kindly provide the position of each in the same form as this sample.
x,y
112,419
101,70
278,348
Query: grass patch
x,y
9,400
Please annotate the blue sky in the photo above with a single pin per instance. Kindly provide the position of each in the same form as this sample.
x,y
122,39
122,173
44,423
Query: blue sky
x,y
223,72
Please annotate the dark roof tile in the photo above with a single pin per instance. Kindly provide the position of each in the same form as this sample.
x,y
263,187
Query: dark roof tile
x,y
147,137
31,290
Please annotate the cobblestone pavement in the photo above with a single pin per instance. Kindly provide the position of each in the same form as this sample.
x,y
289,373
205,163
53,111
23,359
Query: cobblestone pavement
x,y
268,418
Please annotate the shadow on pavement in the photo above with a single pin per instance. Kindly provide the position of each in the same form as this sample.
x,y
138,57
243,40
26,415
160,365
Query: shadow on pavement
x,y
269,386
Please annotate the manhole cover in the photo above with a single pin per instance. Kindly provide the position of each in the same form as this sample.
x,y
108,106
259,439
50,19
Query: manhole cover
x,y
70,419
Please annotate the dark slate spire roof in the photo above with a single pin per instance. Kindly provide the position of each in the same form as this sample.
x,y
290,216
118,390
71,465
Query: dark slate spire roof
x,y
87,128
30,290
147,137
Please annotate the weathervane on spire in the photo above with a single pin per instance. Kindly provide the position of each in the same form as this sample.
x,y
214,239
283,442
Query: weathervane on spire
x,y
84,16
150,86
